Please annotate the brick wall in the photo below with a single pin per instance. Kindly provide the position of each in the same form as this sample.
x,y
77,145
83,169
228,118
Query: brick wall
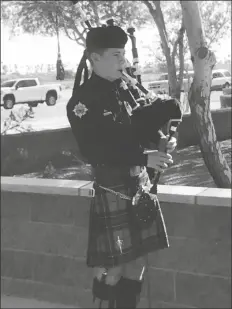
x,y
44,237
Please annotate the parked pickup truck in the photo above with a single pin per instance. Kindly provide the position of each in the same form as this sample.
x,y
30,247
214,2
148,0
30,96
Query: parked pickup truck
x,y
29,91
220,79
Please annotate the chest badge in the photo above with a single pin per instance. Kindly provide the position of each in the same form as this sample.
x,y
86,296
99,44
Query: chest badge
x,y
80,110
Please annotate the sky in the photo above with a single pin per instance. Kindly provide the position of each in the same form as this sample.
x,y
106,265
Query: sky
x,y
35,49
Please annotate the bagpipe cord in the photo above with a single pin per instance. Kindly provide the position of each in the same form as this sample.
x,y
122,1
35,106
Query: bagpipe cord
x,y
81,68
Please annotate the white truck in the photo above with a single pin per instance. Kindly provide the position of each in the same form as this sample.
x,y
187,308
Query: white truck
x,y
28,91
220,79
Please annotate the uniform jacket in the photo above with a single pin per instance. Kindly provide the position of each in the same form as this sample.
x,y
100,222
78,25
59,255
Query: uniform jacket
x,y
105,130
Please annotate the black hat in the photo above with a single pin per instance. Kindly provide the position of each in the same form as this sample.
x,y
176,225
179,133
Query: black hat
x,y
106,37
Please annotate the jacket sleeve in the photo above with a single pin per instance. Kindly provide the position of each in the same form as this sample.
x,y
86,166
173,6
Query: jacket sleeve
x,y
102,141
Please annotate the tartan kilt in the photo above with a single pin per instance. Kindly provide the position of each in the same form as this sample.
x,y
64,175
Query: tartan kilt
x,y
114,238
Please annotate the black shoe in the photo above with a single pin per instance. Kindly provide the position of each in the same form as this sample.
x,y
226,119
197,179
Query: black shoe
x,y
128,293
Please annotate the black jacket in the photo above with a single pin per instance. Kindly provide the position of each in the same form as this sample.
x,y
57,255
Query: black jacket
x,y
105,132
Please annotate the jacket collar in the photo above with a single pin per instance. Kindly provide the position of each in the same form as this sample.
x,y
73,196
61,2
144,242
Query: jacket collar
x,y
102,82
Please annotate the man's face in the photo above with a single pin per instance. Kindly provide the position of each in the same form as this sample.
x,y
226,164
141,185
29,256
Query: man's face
x,y
110,62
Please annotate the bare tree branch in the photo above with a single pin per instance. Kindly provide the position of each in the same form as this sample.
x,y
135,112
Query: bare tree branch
x,y
74,35
78,40
174,51
181,54
177,42
159,13
69,21
67,33
80,34
161,27
151,9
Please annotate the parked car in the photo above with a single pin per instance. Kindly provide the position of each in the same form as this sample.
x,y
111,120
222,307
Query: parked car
x,y
28,91
220,79
161,85
226,97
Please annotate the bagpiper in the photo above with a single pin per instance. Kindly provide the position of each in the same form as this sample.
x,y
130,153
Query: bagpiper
x,y
123,229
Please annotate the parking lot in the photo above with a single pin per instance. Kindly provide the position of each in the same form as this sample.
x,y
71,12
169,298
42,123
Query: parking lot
x,y
49,117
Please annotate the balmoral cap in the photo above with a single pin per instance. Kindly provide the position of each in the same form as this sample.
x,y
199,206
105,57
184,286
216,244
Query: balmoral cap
x,y
106,37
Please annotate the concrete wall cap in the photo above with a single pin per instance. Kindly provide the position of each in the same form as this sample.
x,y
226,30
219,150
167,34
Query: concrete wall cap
x,y
166,193
47,186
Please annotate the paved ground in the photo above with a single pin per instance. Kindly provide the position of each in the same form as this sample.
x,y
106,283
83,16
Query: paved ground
x,y
18,302
52,117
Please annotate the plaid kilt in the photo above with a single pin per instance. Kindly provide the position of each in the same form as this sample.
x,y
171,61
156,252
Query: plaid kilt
x,y
114,237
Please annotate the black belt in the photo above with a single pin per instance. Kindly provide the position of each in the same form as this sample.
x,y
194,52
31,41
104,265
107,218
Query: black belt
x,y
134,170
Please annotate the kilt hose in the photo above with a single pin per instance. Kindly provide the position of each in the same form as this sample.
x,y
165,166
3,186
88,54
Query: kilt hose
x,y
114,237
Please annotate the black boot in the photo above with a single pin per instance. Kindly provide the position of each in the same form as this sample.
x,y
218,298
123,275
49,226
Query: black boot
x,y
104,292
128,293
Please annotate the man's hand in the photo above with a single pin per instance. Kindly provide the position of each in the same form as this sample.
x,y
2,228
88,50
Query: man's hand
x,y
158,160
171,145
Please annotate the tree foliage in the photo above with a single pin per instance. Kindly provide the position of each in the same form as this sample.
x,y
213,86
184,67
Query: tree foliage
x,y
216,20
173,49
43,17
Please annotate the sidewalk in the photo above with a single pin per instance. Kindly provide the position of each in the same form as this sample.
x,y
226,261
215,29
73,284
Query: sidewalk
x,y
18,302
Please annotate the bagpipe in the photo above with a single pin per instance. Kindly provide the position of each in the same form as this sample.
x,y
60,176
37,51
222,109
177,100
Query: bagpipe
x,y
138,97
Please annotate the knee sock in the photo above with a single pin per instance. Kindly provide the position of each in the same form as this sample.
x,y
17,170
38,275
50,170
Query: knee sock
x,y
125,293
128,293
104,292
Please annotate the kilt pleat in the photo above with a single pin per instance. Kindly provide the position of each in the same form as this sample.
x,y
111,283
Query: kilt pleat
x,y
114,236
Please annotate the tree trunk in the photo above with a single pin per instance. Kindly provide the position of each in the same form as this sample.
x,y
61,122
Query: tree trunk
x,y
199,95
172,80
157,15
180,41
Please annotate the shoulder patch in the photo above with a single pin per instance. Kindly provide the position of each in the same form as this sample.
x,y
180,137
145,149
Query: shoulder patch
x,y
80,110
